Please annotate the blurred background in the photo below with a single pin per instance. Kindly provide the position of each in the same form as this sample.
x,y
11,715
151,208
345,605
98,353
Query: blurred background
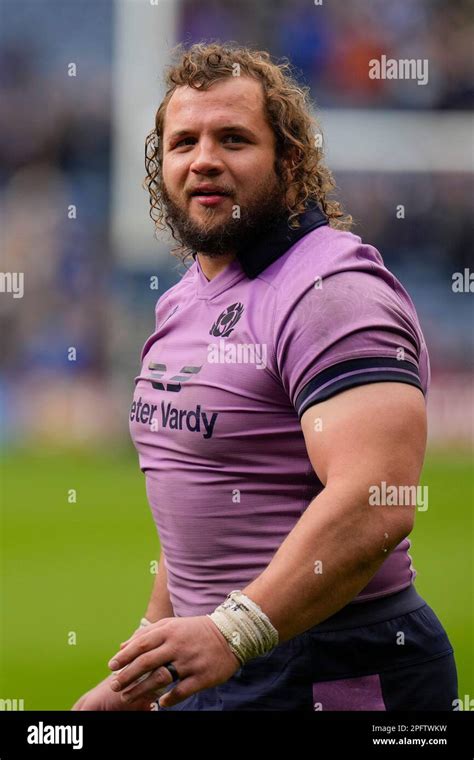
x,y
80,81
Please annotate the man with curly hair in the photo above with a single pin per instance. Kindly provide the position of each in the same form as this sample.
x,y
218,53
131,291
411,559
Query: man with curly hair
x,y
279,417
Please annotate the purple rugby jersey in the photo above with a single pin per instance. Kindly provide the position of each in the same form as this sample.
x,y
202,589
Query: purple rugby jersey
x,y
225,378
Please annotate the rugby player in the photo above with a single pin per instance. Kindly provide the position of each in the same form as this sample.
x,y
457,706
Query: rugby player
x,y
285,382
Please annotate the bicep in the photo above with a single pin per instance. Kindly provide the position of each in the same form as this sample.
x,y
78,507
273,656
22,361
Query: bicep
x,y
367,434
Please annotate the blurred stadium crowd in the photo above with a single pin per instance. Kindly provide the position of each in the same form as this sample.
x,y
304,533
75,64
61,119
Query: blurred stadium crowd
x,y
332,49
55,151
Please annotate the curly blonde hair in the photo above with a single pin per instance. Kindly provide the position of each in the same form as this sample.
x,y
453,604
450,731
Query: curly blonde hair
x,y
288,110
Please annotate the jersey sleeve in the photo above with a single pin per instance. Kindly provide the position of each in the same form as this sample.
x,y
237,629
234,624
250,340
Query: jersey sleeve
x,y
349,329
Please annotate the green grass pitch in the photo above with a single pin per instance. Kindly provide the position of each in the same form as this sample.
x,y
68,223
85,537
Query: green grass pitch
x,y
80,571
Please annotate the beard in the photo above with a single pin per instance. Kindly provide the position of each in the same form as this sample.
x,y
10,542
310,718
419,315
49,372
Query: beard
x,y
213,237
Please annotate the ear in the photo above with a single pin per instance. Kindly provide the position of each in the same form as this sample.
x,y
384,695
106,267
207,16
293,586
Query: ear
x,y
289,163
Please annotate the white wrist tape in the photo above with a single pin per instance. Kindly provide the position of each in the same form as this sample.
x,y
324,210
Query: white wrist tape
x,y
245,626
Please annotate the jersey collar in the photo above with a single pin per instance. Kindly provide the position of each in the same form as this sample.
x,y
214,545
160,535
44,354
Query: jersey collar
x,y
268,248
271,246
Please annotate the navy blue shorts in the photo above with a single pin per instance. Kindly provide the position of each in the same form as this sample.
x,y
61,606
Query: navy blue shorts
x,y
387,654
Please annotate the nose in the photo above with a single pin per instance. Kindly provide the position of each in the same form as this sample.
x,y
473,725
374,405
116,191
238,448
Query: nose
x,y
206,159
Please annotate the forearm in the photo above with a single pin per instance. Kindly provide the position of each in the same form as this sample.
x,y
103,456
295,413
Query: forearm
x,y
331,554
160,605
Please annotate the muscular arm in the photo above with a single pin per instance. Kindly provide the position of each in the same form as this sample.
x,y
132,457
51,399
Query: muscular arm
x,y
159,605
368,434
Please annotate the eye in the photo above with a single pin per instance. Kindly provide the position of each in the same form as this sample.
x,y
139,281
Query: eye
x,y
231,139
238,138
184,141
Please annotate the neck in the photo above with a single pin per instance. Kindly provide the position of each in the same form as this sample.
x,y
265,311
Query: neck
x,y
211,266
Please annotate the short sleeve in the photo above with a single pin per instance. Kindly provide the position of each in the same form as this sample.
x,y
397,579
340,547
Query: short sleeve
x,y
349,329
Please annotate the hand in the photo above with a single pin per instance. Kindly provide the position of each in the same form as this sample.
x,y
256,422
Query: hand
x,y
195,646
101,697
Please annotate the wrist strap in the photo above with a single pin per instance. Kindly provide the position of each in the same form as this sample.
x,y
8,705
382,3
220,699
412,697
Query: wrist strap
x,y
244,625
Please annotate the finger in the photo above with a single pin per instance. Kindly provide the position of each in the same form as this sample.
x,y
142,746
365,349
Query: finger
x,y
138,632
157,680
183,690
136,646
142,665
